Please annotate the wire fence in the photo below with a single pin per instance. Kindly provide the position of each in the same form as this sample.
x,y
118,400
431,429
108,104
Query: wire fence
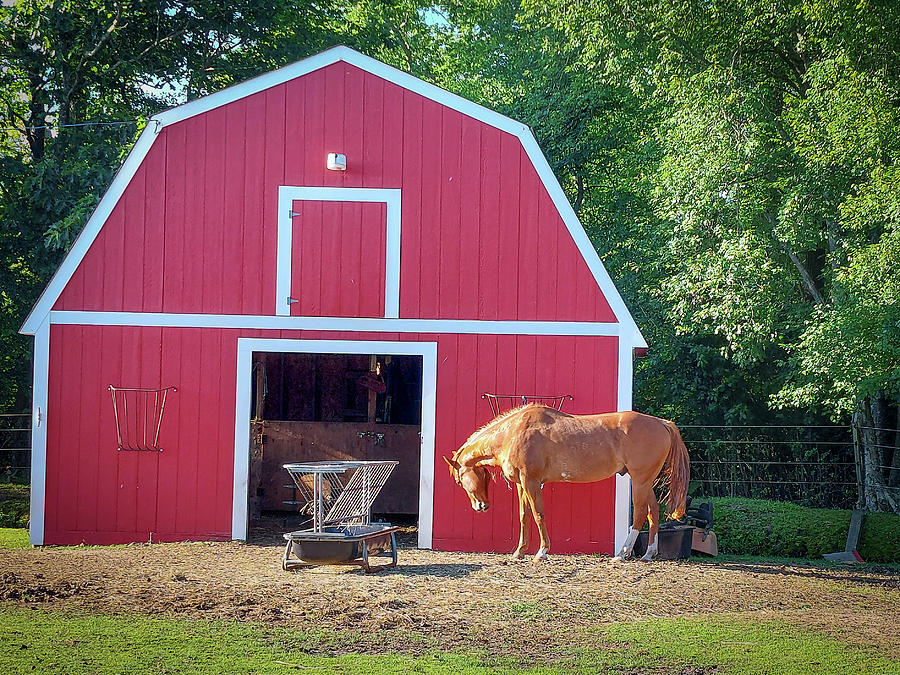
x,y
818,466
15,447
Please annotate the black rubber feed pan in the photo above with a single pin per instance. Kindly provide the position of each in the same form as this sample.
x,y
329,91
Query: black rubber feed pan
x,y
341,546
674,543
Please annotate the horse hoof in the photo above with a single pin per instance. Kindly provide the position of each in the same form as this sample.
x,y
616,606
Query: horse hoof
x,y
539,556
619,558
518,555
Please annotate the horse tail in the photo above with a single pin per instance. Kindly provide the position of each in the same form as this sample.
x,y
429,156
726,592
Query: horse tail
x,y
678,474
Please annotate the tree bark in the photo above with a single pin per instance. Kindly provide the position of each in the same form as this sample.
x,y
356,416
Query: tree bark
x,y
37,118
877,495
894,476
808,282
579,194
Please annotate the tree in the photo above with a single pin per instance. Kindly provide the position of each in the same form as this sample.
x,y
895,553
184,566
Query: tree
x,y
734,163
777,182
77,82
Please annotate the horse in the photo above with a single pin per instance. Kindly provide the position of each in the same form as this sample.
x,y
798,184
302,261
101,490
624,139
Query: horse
x,y
534,444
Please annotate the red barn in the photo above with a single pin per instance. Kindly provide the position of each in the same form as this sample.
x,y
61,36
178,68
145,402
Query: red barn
x,y
302,309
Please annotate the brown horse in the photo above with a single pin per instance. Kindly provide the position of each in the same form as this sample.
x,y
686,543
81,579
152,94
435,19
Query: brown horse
x,y
534,444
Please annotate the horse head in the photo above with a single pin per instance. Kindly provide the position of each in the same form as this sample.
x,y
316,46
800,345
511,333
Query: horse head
x,y
474,480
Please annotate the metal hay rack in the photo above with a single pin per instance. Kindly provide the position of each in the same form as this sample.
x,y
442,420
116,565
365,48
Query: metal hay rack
x,y
503,402
139,416
338,497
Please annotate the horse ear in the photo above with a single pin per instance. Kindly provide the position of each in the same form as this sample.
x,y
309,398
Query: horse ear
x,y
452,463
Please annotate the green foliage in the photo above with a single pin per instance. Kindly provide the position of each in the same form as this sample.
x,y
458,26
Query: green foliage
x,y
735,164
46,641
78,81
853,347
13,505
878,540
773,194
761,527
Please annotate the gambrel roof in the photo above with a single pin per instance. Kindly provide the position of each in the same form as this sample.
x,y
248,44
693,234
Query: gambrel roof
x,y
70,264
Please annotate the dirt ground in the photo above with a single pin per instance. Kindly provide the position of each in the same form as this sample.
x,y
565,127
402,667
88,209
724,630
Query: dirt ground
x,y
448,600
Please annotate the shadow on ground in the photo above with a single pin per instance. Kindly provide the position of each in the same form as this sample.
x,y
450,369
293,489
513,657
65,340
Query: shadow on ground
x,y
451,570
830,573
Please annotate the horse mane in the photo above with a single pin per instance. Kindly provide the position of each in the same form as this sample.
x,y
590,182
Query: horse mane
x,y
476,436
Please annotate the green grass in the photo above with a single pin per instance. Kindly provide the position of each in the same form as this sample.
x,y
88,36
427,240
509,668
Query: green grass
x,y
13,537
41,641
527,610
50,642
738,647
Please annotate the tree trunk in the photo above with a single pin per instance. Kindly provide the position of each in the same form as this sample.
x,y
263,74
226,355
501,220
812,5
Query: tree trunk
x,y
808,282
579,194
877,496
879,421
37,119
894,475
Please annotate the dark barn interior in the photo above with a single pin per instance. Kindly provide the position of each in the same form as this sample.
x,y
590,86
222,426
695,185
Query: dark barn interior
x,y
313,407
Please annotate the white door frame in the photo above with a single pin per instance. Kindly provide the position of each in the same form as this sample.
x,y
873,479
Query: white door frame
x,y
245,349
288,194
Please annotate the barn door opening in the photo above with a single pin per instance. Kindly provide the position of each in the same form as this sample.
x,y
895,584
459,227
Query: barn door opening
x,y
329,406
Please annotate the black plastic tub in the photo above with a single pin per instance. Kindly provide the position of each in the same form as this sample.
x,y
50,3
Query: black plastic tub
x,y
674,543
341,546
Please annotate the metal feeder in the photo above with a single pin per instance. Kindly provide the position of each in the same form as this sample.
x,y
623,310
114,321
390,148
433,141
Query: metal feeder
x,y
338,497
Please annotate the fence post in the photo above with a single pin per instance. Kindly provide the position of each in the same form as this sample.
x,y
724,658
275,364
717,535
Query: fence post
x,y
857,458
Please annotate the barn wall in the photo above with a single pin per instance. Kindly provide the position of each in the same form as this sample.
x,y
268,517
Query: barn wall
x,y
196,229
97,494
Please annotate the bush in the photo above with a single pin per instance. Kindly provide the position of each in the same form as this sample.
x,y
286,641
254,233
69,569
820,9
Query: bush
x,y
879,540
769,528
13,537
13,505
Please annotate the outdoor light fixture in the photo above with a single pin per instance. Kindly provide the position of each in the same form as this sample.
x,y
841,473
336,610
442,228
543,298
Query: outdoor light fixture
x,y
336,162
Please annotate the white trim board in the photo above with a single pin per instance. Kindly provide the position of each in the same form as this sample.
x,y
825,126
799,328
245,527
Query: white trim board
x,y
139,151
361,324
622,511
245,349
288,194
624,401
39,434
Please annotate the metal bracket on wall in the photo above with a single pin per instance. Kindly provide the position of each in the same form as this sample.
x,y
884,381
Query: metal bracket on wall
x,y
378,438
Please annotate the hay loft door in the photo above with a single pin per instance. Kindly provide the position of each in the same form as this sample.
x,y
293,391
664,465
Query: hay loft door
x,y
338,252
337,259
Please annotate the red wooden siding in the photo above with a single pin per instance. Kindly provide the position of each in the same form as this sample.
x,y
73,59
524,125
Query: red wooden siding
x,y
196,229
98,494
